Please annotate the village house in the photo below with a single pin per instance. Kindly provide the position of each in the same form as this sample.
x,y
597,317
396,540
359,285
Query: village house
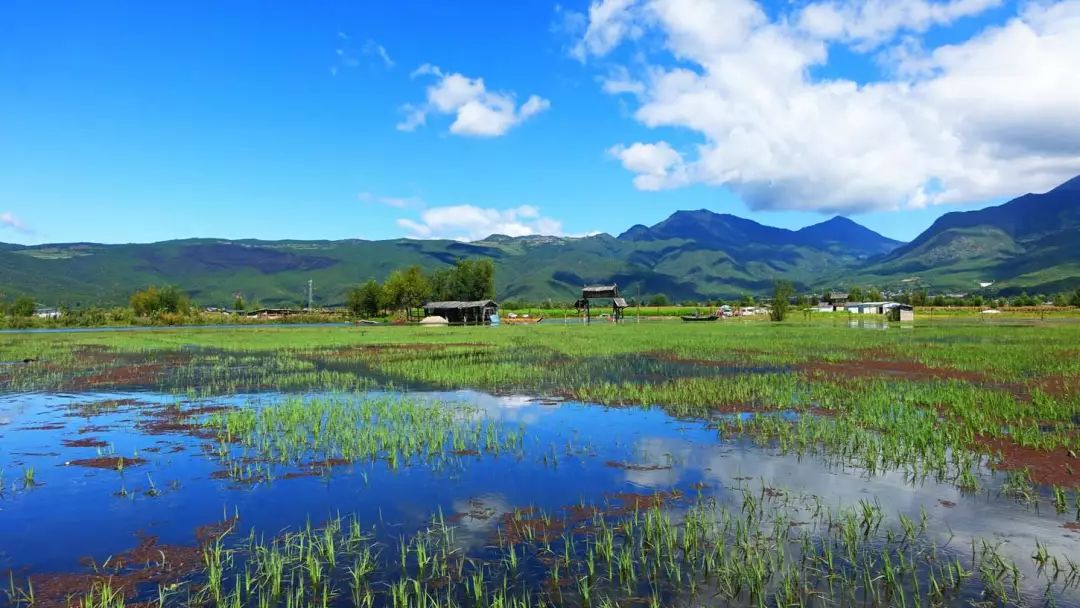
x,y
45,312
833,301
895,311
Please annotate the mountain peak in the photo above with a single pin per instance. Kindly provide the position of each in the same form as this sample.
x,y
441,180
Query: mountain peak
x,y
839,220
840,230
730,233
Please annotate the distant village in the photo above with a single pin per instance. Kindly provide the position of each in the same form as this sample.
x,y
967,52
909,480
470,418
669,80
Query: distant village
x,y
463,294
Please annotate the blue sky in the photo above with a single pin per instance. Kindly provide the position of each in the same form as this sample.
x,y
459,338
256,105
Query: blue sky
x,y
136,122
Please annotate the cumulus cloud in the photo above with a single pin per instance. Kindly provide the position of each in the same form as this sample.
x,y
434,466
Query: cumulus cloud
x,y
994,115
470,223
657,166
477,111
10,221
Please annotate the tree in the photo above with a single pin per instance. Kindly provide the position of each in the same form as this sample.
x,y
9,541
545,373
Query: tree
x,y
364,300
747,300
468,280
856,294
238,303
782,292
873,295
476,279
155,300
919,298
1075,299
406,289
658,300
23,307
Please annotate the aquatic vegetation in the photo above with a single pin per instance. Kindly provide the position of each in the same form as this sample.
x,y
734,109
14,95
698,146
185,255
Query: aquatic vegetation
x,y
767,548
254,443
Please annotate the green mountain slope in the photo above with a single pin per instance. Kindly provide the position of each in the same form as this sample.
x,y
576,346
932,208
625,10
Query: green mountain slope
x,y
275,273
1030,243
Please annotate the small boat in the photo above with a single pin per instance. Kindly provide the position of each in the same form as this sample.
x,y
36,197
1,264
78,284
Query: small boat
x,y
521,320
699,318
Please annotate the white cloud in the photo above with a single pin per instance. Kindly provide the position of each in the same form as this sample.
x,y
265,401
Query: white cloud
x,y
619,81
994,115
348,58
868,23
477,111
609,22
397,202
657,166
470,223
377,50
9,220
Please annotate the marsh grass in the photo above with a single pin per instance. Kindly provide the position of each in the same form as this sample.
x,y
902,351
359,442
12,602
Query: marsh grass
x,y
257,443
763,549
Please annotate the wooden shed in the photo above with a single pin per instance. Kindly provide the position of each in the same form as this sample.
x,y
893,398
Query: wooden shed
x,y
477,312
901,312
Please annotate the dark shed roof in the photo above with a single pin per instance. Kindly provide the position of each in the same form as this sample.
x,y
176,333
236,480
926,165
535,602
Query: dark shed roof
x,y
600,291
454,304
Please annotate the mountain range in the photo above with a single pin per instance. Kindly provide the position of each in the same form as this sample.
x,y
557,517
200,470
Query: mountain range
x,y
1029,243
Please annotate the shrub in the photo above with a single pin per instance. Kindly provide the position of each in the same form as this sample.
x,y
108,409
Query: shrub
x,y
23,307
154,300
782,292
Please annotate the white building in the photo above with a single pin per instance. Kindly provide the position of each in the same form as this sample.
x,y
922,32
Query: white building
x,y
44,312
906,312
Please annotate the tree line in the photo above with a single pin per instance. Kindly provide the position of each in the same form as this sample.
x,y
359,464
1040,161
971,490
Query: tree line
x,y
471,279
411,287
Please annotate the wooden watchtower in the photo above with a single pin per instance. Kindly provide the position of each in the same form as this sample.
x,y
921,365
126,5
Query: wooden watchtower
x,y
601,292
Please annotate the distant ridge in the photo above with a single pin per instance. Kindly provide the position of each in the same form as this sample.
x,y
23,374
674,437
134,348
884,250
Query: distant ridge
x,y
725,230
1029,243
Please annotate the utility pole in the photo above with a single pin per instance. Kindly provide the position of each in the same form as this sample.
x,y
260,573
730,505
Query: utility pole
x,y
310,285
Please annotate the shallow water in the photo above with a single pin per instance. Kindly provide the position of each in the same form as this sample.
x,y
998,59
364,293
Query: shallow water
x,y
572,453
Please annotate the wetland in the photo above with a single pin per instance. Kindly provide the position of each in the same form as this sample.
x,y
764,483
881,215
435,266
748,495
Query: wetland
x,y
661,464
